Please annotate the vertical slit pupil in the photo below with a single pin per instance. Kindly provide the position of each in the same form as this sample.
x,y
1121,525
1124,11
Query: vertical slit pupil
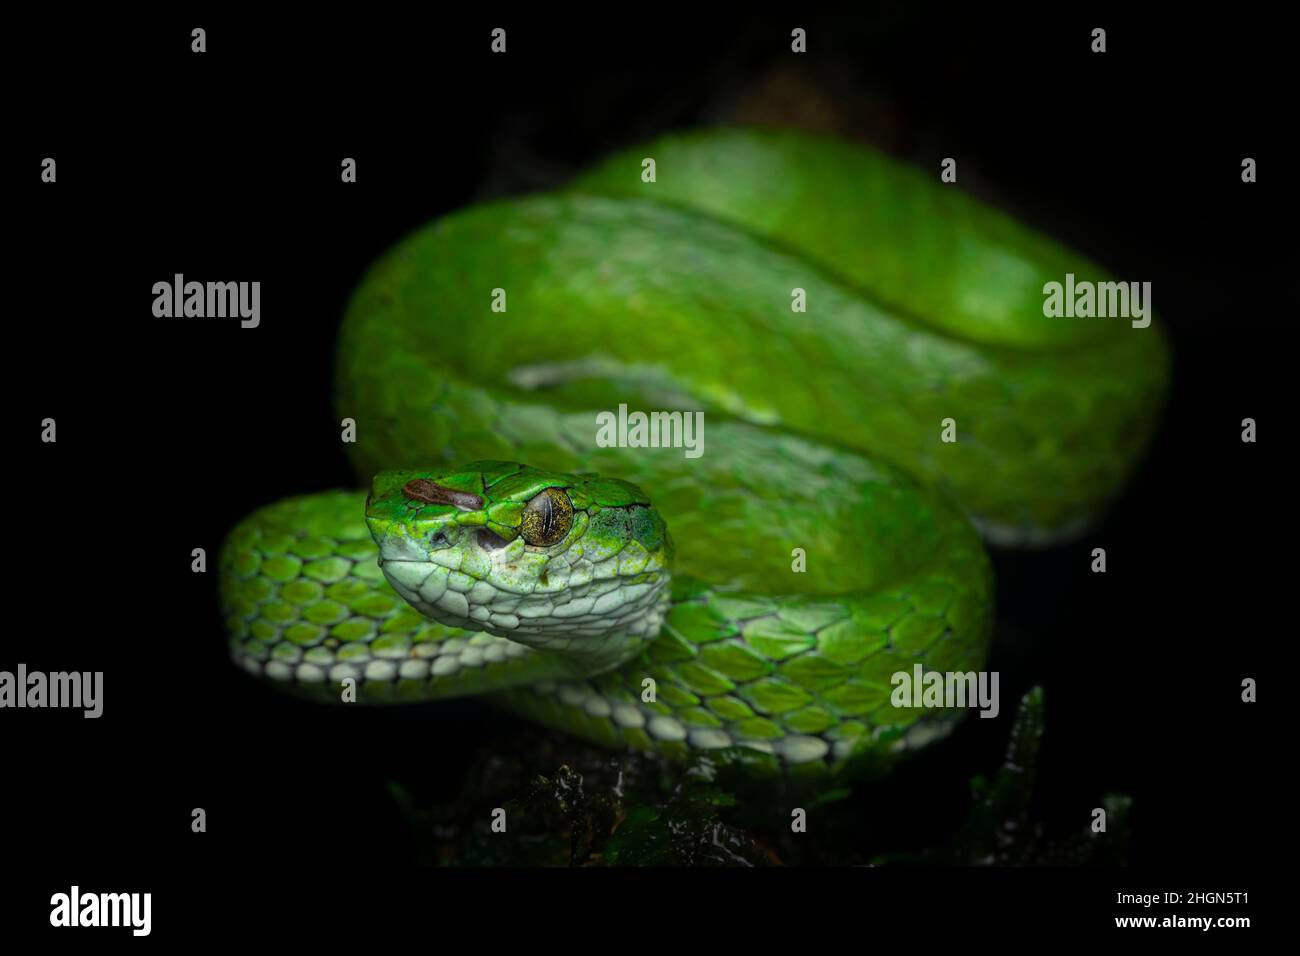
x,y
547,509
547,517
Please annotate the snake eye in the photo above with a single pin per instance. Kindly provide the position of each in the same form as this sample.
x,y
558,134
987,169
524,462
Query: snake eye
x,y
547,518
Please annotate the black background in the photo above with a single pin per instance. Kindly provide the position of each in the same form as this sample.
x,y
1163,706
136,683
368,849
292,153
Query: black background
x,y
226,166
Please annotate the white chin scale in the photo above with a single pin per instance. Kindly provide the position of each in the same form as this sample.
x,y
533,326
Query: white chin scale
x,y
579,599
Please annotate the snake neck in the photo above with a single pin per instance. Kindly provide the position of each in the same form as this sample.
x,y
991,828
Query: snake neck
x,y
591,657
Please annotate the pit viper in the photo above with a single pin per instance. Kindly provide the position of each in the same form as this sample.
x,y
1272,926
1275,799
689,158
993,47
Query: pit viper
x,y
881,392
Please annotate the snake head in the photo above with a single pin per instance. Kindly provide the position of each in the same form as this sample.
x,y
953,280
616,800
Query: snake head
x,y
548,559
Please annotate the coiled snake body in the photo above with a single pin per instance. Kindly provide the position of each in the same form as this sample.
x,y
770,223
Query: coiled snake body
x,y
818,545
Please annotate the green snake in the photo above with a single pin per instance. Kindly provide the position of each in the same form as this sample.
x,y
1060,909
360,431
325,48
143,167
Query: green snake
x,y
880,388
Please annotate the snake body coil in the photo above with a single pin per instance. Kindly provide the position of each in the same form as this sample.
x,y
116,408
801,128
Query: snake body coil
x,y
823,444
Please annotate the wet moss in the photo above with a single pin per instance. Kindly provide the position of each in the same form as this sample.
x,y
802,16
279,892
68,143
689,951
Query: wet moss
x,y
543,799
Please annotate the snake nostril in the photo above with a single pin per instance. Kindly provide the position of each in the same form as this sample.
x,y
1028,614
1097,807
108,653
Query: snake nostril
x,y
438,539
